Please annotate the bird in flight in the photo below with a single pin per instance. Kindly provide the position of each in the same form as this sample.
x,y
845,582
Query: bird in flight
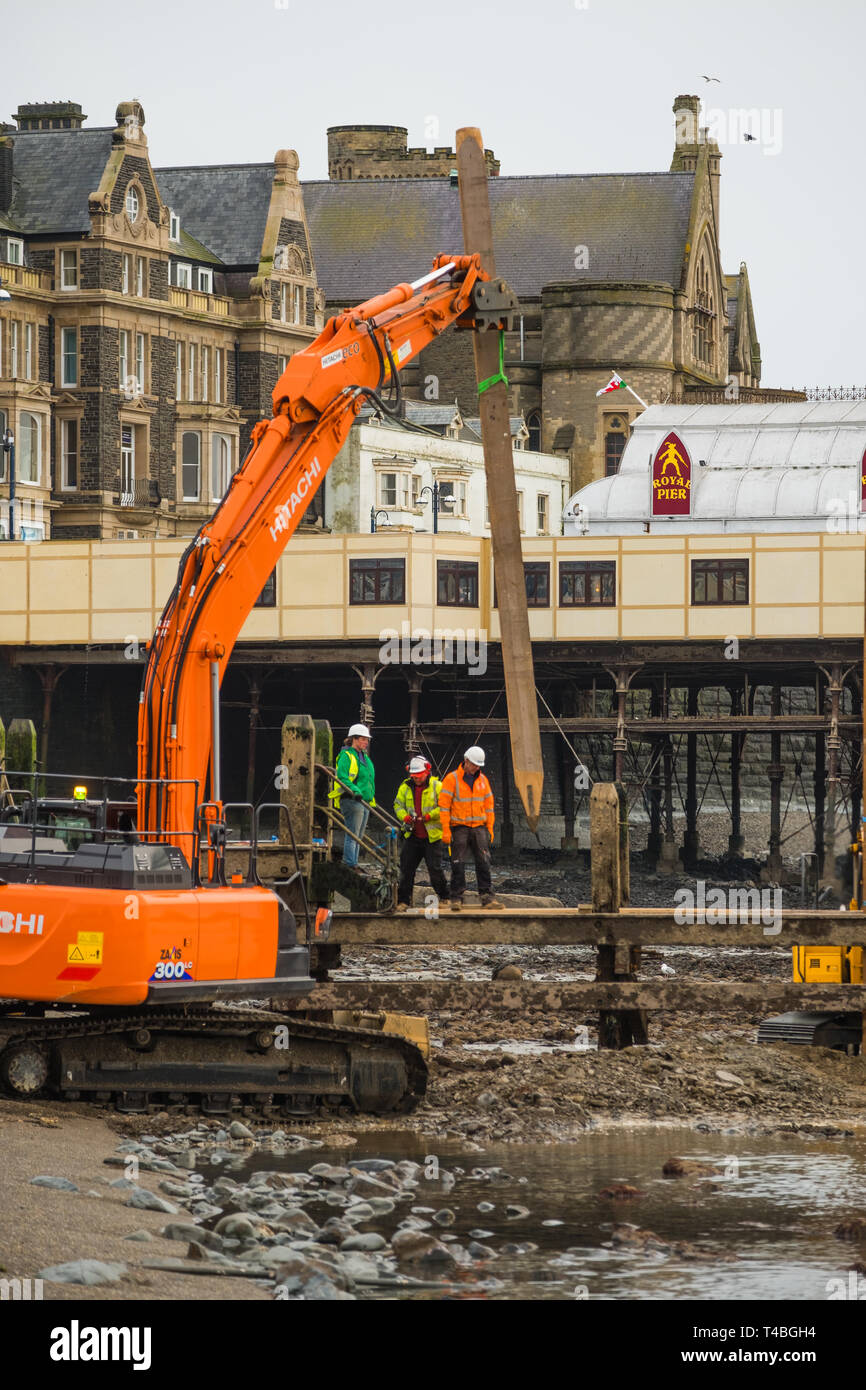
x,y
710,79
748,136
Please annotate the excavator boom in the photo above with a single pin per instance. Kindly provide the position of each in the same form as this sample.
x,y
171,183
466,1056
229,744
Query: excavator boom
x,y
224,569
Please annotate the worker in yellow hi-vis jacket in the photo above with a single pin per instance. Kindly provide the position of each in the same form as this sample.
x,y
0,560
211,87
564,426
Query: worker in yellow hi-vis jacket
x,y
416,807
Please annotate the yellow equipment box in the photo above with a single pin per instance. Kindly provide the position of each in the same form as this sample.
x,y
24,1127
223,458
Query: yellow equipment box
x,y
830,964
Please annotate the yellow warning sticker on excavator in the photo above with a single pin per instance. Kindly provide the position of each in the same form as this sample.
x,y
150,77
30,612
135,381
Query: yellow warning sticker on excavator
x,y
87,950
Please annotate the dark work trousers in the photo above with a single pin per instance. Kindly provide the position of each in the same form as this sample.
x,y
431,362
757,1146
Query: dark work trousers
x,y
413,850
474,840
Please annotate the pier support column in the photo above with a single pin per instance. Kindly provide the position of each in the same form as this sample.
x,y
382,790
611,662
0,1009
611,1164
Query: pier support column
x,y
609,858
691,842
506,824
252,738
819,780
772,871
736,840
829,874
568,844
654,838
49,676
669,862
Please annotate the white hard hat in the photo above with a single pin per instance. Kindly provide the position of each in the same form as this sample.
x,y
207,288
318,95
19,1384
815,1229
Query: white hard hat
x,y
359,731
475,755
418,765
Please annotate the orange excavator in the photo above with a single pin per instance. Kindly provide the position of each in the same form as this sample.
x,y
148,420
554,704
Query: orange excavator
x,y
123,945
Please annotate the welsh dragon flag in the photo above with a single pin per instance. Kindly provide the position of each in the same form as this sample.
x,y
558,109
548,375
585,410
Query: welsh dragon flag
x,y
616,383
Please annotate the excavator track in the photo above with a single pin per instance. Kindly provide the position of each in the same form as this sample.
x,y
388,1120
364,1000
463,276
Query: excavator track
x,y
212,1058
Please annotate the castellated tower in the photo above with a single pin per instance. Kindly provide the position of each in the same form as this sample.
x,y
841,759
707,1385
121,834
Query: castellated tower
x,y
382,152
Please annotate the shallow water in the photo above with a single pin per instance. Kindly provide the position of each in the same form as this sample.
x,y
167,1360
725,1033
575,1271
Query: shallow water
x,y
776,1211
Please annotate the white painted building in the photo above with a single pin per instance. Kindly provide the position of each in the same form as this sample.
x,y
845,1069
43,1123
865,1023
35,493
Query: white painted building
x,y
790,467
388,471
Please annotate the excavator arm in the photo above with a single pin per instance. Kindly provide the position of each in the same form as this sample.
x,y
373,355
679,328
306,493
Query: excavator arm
x,y
224,569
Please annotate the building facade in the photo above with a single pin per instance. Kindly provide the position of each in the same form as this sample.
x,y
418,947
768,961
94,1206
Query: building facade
x,y
384,479
614,272
152,309
134,358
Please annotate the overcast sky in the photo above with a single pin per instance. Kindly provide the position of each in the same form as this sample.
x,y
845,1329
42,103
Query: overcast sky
x,y
557,86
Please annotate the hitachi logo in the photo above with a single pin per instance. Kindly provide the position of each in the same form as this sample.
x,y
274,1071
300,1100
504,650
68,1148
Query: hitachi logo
x,y
16,921
303,489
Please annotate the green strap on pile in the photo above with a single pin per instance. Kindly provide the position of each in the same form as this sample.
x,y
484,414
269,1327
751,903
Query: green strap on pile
x,y
500,375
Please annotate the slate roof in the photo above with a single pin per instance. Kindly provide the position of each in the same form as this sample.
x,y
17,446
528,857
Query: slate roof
x,y
188,248
54,173
224,206
426,413
516,423
369,234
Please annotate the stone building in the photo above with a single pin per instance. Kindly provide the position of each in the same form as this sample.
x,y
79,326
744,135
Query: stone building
x,y
614,272
153,308
382,152
151,313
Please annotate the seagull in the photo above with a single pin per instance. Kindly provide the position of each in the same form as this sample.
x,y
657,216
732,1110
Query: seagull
x,y
668,970
710,79
747,136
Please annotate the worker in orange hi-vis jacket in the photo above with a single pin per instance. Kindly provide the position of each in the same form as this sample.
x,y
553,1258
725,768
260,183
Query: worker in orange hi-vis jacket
x,y
466,808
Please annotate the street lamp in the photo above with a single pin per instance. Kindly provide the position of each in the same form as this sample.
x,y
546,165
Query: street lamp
x,y
4,294
9,448
439,500
374,519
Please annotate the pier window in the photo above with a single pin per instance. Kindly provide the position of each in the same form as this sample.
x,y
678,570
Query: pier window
x,y
587,583
720,581
457,583
268,597
377,581
536,577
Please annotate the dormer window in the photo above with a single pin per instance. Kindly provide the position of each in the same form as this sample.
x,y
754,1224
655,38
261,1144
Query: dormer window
x,y
173,226
14,251
133,204
205,280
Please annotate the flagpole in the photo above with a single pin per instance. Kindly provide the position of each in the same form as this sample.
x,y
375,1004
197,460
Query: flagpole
x,y
636,396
